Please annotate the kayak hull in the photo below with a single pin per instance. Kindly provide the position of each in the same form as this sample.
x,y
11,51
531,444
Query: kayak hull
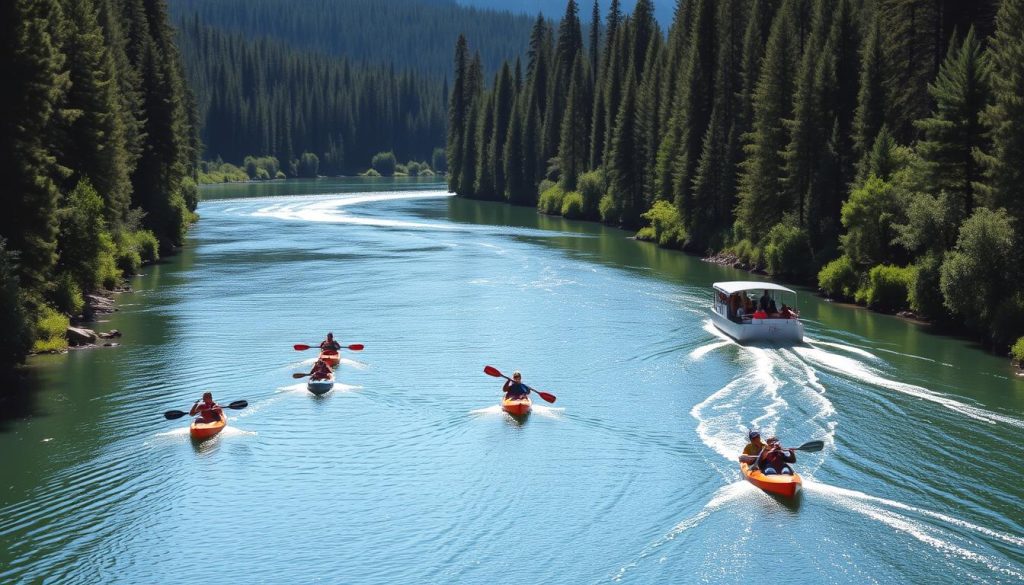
x,y
517,406
319,387
201,430
781,485
331,358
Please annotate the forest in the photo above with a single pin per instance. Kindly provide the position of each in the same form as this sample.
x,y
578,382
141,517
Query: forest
x,y
97,148
870,147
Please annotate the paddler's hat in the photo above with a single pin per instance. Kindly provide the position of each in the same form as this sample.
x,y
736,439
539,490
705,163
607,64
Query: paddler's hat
x,y
753,434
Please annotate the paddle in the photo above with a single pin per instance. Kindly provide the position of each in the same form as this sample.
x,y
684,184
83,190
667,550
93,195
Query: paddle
x,y
492,371
810,447
236,405
304,347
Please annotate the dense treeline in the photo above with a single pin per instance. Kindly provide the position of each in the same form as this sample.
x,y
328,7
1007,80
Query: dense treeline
x,y
406,34
260,97
877,144
96,150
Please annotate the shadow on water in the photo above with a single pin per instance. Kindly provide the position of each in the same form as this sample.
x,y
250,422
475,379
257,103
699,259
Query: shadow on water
x,y
18,396
516,420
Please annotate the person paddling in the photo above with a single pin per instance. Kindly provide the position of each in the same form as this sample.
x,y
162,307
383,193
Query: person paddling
x,y
207,409
753,448
514,388
773,459
329,344
320,371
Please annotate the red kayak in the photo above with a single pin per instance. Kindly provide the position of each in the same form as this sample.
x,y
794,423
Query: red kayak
x,y
517,406
782,485
330,357
201,428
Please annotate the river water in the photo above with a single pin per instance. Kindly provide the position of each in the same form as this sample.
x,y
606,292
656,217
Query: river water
x,y
409,472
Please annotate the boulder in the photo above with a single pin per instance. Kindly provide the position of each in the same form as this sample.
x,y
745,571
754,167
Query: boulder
x,y
113,333
80,336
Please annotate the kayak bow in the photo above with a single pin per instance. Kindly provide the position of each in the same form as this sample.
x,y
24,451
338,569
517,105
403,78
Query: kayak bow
x,y
202,429
320,386
516,406
782,485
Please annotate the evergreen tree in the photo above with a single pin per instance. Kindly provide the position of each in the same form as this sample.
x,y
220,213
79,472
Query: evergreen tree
x,y
624,167
955,132
504,98
870,116
648,108
457,112
513,161
484,188
573,151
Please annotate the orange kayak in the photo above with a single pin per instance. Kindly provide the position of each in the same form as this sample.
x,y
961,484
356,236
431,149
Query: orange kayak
x,y
201,429
332,358
782,485
516,406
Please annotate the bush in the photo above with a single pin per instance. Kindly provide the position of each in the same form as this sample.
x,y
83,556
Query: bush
x,y
609,210
839,279
401,170
67,297
572,205
147,245
309,165
370,173
551,200
1009,322
1017,352
976,275
51,330
924,293
128,258
666,227
110,274
887,288
748,253
591,188
787,251
280,175
384,163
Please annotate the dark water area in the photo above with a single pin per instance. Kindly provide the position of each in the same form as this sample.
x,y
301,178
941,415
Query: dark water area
x,y
408,471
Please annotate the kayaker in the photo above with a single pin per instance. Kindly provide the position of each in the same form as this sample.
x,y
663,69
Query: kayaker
x,y
329,344
320,370
773,460
207,409
514,388
753,448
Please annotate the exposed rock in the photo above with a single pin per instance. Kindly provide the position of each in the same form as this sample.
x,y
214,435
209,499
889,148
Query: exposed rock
x,y
110,334
98,304
81,336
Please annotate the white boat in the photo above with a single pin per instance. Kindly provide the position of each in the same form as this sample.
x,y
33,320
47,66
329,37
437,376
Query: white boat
x,y
743,324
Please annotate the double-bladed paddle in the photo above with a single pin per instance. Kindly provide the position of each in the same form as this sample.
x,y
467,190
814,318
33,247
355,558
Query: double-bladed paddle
x,y
236,405
810,447
492,371
304,347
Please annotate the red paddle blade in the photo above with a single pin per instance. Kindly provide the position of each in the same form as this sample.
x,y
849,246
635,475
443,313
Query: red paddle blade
x,y
356,347
546,396
492,371
301,347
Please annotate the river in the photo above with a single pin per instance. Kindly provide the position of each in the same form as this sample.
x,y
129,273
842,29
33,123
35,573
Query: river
x,y
409,472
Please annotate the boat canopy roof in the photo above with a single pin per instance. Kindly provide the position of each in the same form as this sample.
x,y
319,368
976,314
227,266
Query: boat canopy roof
x,y
735,286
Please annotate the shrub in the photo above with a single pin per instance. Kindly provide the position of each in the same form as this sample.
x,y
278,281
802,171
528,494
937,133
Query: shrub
x,y
591,188
15,322
401,170
839,279
551,200
572,205
976,275
110,274
147,245
787,251
924,293
384,163
127,257
280,175
1009,322
609,210
262,175
1017,352
51,330
747,252
309,165
886,288
67,297
371,173
666,226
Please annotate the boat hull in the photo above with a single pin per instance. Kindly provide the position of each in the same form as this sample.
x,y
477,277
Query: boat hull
x,y
319,387
774,330
517,406
781,485
201,430
331,358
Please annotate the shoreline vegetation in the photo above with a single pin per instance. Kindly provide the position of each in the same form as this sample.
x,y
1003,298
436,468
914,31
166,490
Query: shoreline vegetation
x,y
268,168
870,148
98,143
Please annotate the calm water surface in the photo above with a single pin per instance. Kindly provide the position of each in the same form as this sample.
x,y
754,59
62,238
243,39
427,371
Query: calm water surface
x,y
409,472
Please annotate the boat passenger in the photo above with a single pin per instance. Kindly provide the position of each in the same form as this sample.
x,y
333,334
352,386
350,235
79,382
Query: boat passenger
x,y
773,459
764,302
734,306
514,388
786,312
753,448
748,306
207,409
320,371
329,344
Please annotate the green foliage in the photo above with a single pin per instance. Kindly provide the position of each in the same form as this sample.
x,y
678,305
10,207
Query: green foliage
x,y
212,173
550,201
609,210
309,165
977,275
572,205
438,162
384,163
135,249
1017,352
50,330
591,187
925,294
261,168
1009,324
67,296
370,173
85,248
870,216
15,321
886,288
748,253
666,227
787,251
839,279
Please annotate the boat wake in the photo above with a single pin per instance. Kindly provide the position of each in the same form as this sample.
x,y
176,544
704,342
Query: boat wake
x,y
332,209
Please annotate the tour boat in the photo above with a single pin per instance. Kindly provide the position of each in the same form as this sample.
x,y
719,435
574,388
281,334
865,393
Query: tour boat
x,y
782,325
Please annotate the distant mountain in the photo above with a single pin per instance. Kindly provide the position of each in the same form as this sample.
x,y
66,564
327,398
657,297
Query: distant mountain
x,y
554,9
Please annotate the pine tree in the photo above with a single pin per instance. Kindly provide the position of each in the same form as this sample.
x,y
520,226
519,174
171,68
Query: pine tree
x,y
870,116
595,40
516,184
613,85
484,186
470,146
1004,173
624,167
955,132
648,107
504,98
573,148
457,112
